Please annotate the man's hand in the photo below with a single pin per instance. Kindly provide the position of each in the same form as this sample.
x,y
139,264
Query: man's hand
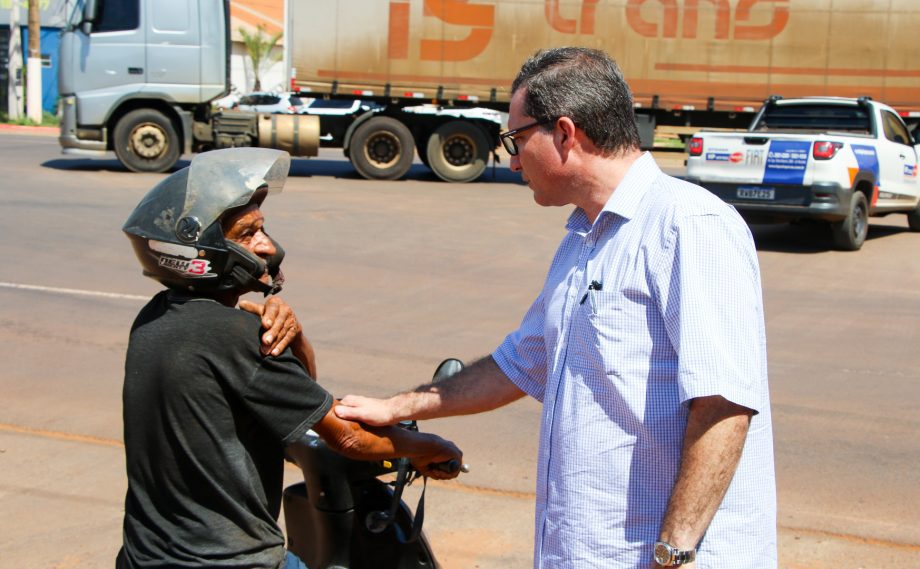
x,y
447,452
282,330
367,410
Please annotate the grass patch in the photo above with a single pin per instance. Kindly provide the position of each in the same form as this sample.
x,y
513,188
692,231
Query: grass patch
x,y
668,142
48,119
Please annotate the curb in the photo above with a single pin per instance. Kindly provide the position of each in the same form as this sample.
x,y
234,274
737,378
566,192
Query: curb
x,y
23,129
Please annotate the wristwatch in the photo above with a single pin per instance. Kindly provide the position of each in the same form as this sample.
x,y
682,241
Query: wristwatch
x,y
667,555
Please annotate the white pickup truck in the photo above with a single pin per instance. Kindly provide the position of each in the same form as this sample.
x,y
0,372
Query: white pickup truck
x,y
831,159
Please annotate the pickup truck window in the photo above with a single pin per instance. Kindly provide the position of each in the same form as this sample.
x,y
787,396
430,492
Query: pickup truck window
x,y
895,130
816,117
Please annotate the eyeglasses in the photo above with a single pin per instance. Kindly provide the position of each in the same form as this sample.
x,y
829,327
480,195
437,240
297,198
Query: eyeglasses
x,y
507,138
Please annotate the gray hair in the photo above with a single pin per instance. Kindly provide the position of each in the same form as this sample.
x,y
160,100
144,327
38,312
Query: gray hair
x,y
585,85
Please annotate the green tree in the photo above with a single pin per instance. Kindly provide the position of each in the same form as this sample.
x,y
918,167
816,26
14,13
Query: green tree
x,y
261,50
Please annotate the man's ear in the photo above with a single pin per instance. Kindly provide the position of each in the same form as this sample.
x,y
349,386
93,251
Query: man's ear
x,y
564,137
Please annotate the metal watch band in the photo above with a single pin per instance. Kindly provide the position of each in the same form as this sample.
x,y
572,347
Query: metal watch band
x,y
684,556
666,555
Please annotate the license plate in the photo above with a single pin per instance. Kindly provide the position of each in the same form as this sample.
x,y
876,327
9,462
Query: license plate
x,y
756,193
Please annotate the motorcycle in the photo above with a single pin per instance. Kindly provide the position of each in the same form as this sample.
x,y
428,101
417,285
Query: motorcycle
x,y
344,516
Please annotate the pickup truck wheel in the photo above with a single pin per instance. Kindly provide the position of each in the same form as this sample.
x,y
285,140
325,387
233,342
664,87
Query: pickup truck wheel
x,y
913,219
382,149
850,234
146,141
458,151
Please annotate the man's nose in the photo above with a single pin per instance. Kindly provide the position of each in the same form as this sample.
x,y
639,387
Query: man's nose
x,y
515,163
263,245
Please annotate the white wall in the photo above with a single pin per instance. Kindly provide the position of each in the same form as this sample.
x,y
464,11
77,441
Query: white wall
x,y
242,78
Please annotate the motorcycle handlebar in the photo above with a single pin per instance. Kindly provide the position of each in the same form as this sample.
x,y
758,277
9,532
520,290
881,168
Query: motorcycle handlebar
x,y
451,466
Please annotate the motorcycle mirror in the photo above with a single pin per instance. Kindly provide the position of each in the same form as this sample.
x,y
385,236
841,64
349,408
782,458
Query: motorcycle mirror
x,y
447,368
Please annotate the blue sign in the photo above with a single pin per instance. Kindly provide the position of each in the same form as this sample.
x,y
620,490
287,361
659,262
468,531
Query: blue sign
x,y
786,162
717,156
867,159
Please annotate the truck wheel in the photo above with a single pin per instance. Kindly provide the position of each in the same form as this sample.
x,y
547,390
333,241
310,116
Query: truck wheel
x,y
382,149
458,151
146,141
850,233
913,219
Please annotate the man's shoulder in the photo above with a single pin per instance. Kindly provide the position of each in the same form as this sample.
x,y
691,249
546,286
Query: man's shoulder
x,y
221,320
675,200
198,315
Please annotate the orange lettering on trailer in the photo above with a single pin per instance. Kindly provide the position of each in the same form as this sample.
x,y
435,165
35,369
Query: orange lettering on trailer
x,y
555,19
398,40
570,25
650,29
723,18
765,31
588,11
459,12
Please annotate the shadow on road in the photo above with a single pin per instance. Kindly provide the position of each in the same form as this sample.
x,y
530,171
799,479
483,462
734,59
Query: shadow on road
x,y
89,165
807,237
300,167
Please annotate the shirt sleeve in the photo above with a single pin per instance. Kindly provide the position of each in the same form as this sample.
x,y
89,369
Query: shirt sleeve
x,y
712,305
522,356
275,390
284,398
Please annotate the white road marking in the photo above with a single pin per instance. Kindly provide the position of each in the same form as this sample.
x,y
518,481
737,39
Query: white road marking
x,y
73,291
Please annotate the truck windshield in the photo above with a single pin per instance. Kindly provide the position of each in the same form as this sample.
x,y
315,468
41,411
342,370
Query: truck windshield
x,y
849,118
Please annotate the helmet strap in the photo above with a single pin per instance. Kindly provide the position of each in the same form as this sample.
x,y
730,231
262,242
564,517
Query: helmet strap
x,y
247,269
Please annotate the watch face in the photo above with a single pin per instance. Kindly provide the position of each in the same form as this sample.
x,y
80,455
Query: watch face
x,y
662,554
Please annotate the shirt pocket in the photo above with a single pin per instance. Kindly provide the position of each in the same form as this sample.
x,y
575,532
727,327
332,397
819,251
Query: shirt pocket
x,y
612,331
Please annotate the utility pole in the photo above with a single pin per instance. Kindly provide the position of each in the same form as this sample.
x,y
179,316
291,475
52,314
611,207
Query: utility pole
x,y
34,64
14,100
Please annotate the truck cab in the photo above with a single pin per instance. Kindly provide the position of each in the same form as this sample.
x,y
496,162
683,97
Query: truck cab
x,y
133,76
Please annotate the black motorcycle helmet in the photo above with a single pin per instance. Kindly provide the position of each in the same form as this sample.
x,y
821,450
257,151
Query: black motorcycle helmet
x,y
176,229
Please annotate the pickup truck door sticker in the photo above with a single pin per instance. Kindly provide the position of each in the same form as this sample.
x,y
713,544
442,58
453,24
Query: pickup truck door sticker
x,y
867,160
786,162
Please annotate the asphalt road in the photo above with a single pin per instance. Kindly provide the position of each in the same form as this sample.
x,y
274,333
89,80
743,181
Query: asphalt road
x,y
388,278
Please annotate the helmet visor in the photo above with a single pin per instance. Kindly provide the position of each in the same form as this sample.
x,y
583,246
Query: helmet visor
x,y
220,181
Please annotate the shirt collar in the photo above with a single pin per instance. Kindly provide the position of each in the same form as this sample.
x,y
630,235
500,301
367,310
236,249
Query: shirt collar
x,y
625,200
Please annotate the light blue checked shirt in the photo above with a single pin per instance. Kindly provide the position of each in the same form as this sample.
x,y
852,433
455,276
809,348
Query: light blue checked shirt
x,y
677,313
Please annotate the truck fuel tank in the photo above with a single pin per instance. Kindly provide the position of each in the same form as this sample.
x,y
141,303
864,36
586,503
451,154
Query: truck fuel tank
x,y
296,134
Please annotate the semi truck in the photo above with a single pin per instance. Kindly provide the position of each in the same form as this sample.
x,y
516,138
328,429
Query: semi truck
x,y
432,76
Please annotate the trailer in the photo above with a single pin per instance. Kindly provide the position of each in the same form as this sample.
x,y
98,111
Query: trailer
x,y
432,77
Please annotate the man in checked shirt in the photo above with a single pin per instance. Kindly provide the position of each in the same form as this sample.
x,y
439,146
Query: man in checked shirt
x,y
646,346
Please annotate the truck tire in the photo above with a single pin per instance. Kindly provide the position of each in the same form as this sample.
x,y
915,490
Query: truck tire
x,y
382,149
146,141
850,234
913,219
458,151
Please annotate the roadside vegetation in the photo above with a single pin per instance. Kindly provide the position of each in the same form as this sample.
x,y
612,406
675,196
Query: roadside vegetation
x,y
48,119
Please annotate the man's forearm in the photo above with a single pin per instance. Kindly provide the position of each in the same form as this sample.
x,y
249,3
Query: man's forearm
x,y
303,351
713,441
480,387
